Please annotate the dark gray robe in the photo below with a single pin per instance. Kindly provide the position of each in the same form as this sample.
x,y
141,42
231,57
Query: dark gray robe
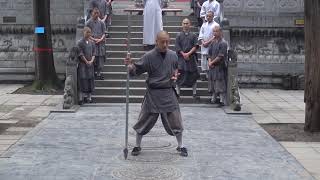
x,y
85,71
160,96
188,68
98,29
218,74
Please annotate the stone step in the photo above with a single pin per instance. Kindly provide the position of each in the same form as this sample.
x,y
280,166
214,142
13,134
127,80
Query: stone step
x,y
134,28
117,61
118,67
138,99
140,91
140,23
123,75
134,83
133,47
167,18
124,34
134,54
112,40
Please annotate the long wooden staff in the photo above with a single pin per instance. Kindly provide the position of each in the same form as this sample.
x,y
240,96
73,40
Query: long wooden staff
x,y
125,151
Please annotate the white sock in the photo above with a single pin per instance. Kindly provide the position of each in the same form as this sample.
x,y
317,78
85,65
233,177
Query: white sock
x,y
179,140
194,89
138,140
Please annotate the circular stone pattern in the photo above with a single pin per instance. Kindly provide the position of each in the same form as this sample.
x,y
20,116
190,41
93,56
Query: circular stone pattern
x,y
153,145
155,132
147,172
152,157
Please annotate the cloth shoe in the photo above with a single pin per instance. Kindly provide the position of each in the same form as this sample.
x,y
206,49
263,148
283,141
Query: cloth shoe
x,y
136,151
183,151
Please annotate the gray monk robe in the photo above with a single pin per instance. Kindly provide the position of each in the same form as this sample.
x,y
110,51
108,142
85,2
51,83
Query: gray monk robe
x,y
85,71
218,74
188,69
98,29
160,97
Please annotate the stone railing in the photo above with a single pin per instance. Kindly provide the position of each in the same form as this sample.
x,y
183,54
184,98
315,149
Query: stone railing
x,y
71,92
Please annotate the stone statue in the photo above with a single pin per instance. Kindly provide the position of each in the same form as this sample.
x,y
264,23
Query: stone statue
x,y
70,88
234,93
68,96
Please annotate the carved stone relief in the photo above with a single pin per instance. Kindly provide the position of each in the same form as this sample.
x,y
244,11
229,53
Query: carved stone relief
x,y
232,3
288,4
24,43
255,4
269,49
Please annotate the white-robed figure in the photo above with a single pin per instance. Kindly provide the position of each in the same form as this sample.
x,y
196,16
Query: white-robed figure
x,y
152,21
211,5
205,38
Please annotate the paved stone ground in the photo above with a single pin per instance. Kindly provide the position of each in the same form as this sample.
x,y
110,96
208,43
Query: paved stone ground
x,y
281,106
20,113
88,145
274,105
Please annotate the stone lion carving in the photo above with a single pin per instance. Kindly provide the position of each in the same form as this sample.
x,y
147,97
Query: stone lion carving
x,y
73,56
68,95
235,95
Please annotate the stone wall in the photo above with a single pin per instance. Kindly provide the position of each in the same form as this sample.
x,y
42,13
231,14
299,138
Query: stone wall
x,y
16,50
263,13
266,57
269,39
62,11
17,38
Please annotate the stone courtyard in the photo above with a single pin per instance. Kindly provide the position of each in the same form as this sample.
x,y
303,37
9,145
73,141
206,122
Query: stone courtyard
x,y
88,144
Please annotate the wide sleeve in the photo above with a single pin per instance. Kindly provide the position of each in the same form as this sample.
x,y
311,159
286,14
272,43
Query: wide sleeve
x,y
103,27
81,48
139,67
210,51
175,64
178,44
201,33
217,10
203,10
195,42
93,49
223,47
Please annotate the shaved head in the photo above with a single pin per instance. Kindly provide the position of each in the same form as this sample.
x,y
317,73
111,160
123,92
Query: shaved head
x,y
162,41
186,20
162,34
186,25
217,32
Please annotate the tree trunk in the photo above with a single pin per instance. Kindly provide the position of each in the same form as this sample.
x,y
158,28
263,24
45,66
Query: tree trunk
x,y
312,65
44,65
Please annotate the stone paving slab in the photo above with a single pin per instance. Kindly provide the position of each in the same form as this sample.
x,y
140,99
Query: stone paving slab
x,y
274,105
88,145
